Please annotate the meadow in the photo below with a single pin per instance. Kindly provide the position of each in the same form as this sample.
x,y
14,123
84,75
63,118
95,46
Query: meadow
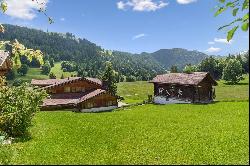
x,y
148,134
35,73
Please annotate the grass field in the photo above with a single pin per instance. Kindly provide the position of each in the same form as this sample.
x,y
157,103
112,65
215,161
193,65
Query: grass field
x,y
149,134
35,73
217,133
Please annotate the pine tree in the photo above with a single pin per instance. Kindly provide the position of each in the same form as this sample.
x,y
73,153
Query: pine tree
x,y
109,78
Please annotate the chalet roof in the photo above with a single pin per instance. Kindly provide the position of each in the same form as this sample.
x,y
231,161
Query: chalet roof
x,y
71,98
183,78
3,56
49,83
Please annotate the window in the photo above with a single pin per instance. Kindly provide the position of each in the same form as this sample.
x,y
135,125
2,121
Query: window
x,y
73,89
67,89
109,103
90,105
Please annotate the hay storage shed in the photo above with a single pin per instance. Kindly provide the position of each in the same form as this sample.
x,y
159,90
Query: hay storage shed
x,y
197,87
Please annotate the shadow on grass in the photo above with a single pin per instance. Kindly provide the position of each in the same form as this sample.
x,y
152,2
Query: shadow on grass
x,y
25,138
214,102
241,83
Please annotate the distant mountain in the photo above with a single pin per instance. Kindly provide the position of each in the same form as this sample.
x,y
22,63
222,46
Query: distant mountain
x,y
178,56
90,58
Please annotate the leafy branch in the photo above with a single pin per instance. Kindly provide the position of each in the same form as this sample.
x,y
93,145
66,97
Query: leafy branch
x,y
4,8
237,7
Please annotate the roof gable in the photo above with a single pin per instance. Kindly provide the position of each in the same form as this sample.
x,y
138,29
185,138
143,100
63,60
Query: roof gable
x,y
51,83
3,56
184,79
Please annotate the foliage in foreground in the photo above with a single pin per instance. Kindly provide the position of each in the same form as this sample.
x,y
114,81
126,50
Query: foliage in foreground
x,y
17,107
240,12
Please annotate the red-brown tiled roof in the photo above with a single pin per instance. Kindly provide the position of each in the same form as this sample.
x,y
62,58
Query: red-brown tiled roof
x,y
92,94
71,98
49,83
3,56
183,78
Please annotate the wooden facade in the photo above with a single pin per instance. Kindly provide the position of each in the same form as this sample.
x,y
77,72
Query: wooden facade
x,y
81,94
184,88
5,63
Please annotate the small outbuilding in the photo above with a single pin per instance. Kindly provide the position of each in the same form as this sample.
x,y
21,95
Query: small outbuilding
x,y
197,87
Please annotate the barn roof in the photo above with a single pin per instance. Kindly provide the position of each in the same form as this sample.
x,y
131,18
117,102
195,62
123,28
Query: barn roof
x,y
71,98
183,78
50,83
3,56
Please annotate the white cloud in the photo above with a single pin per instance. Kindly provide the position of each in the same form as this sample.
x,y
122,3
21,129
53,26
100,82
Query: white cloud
x,y
139,36
183,2
218,40
24,9
213,50
211,43
62,19
141,5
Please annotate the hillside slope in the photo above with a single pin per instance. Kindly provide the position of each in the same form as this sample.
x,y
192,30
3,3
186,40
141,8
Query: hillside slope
x,y
90,58
178,56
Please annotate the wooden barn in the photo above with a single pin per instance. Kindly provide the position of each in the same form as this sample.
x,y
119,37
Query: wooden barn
x,y
195,87
81,94
5,63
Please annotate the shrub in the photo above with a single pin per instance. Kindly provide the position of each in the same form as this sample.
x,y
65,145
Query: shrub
x,y
23,70
46,68
131,79
17,107
52,75
11,75
17,82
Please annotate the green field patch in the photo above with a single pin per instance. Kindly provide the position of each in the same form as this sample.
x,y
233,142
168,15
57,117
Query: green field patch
x,y
149,134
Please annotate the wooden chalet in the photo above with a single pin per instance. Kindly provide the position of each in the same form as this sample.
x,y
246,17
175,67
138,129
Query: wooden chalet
x,y
5,63
81,94
195,87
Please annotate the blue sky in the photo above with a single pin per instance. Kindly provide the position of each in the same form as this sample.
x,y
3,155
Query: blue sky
x,y
134,25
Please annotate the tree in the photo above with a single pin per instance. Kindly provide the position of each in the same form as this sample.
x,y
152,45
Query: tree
x,y
240,11
189,69
23,70
109,78
233,72
52,75
46,68
51,62
211,65
131,78
246,62
174,69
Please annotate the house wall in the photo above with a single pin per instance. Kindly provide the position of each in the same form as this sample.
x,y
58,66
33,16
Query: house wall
x,y
86,86
6,66
104,100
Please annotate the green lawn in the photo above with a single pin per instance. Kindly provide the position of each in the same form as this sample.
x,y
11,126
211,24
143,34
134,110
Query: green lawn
x,y
136,92
58,71
35,73
149,134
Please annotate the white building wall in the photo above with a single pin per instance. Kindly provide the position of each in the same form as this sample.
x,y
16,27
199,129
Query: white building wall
x,y
100,109
162,100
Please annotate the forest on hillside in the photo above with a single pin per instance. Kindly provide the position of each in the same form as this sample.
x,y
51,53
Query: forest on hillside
x,y
88,58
